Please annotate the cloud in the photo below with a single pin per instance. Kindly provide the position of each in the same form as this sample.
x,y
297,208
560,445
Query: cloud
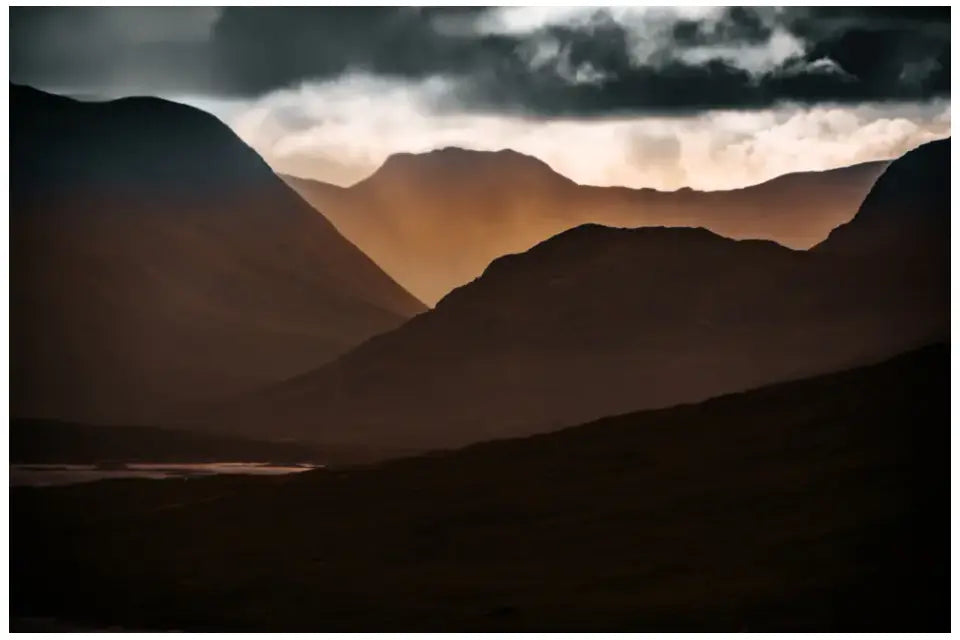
x,y
826,137
824,66
537,61
666,97
342,130
756,59
519,21
112,50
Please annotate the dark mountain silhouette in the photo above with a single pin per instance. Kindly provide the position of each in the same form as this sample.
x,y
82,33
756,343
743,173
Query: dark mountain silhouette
x,y
906,211
434,221
900,237
597,321
157,260
819,505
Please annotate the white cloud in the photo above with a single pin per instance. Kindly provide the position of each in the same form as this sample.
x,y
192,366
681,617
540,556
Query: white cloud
x,y
521,20
548,53
826,137
823,66
343,130
755,59
649,32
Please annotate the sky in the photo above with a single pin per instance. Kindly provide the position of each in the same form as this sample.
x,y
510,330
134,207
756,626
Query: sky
x,y
670,97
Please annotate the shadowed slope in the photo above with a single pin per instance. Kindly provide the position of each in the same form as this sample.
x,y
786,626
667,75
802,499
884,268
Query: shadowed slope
x,y
155,259
435,220
820,505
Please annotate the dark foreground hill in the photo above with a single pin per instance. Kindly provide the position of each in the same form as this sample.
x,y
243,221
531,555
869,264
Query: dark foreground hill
x,y
818,505
434,221
157,260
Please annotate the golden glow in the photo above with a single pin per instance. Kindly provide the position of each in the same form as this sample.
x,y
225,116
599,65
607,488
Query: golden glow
x,y
341,131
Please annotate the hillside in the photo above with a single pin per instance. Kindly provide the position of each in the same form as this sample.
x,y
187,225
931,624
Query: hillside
x,y
906,212
811,506
157,261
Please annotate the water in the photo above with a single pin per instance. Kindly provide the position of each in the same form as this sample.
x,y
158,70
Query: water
x,y
45,475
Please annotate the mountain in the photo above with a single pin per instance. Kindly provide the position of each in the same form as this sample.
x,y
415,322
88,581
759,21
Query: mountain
x,y
434,221
818,505
156,260
906,211
596,321
901,234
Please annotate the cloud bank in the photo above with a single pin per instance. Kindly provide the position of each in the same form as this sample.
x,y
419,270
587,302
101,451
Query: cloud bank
x,y
343,130
565,61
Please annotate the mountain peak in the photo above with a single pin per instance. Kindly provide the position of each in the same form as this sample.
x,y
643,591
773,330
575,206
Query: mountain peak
x,y
152,142
450,161
600,249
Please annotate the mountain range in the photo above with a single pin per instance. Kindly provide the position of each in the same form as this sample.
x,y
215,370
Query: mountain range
x,y
157,261
597,321
164,275
434,221
623,409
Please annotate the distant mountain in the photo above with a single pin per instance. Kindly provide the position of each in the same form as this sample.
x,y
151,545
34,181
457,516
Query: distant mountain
x,y
434,221
596,321
819,505
156,260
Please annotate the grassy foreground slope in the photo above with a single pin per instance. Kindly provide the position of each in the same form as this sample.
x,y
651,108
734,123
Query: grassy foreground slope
x,y
821,504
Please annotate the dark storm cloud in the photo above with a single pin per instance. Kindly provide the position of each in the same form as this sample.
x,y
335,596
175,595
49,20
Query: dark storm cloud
x,y
108,50
740,57
894,52
258,49
737,24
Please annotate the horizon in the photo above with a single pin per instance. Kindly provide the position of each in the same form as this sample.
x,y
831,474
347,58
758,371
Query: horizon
x,y
598,93
478,150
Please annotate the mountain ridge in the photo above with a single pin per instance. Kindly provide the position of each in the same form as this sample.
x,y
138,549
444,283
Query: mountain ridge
x,y
408,156
435,224
600,320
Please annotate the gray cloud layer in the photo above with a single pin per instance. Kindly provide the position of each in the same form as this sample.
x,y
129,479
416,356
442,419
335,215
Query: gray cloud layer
x,y
583,62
